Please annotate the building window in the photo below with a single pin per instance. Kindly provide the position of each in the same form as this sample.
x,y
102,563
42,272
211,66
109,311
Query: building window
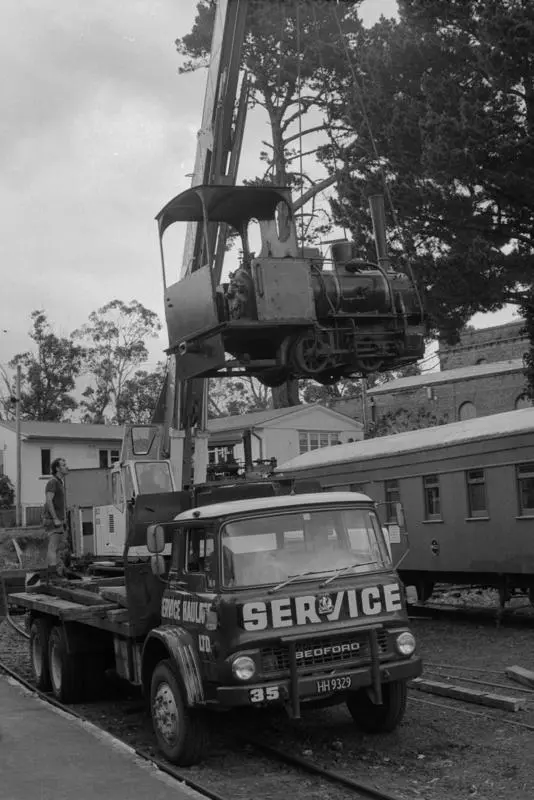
x,y
467,411
313,440
46,460
108,457
392,492
432,499
523,401
476,493
219,455
525,488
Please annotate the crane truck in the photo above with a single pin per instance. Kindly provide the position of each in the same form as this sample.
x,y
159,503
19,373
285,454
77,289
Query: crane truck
x,y
251,595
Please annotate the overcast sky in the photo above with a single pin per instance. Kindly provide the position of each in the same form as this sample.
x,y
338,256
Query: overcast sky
x,y
97,133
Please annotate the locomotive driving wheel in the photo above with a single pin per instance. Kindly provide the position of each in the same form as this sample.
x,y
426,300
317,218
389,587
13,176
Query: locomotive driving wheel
x,y
311,353
370,362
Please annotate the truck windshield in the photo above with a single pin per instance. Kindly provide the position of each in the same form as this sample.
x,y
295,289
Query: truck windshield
x,y
270,549
153,477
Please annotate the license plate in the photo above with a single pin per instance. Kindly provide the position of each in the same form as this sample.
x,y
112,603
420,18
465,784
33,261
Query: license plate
x,y
338,684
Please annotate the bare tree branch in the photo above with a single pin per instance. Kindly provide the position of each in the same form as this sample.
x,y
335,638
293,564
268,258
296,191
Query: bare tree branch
x,y
319,187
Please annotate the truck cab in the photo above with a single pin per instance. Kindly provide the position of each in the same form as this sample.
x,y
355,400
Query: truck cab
x,y
288,600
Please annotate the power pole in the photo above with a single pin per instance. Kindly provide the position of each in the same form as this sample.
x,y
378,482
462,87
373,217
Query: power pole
x,y
18,506
365,421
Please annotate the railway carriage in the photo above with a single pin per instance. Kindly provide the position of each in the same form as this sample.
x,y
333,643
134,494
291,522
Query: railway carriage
x,y
467,490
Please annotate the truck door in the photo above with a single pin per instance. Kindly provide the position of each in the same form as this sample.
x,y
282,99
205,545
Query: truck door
x,y
197,574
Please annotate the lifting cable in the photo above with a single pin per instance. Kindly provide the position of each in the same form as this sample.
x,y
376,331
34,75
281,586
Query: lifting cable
x,y
299,96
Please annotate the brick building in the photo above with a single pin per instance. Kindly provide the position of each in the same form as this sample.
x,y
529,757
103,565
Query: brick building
x,y
485,345
481,375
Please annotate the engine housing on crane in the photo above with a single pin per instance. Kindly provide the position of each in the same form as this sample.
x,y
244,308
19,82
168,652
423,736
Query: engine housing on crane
x,y
281,314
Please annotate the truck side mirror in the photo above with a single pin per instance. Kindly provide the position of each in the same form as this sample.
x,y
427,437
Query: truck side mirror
x,y
155,538
157,565
400,514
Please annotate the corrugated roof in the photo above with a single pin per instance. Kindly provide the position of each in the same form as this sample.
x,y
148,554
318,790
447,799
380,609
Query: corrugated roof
x,y
449,376
511,422
66,430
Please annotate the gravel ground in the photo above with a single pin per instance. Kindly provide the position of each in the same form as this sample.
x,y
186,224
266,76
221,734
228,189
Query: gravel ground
x,y
444,750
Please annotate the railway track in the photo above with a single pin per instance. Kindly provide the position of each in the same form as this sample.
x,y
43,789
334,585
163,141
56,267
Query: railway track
x,y
485,614
350,787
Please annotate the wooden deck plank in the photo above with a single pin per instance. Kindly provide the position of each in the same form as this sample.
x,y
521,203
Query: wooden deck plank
x,y
469,695
59,607
520,675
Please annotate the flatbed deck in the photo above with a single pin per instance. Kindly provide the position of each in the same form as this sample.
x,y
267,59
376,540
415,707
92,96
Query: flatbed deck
x,y
98,603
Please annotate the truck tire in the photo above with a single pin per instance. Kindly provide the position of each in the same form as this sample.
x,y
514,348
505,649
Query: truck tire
x,y
181,733
39,633
66,670
383,718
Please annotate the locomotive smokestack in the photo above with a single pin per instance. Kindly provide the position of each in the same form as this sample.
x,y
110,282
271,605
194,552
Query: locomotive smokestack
x,y
378,215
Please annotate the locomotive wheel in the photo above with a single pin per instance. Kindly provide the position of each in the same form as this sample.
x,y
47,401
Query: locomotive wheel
x,y
310,353
371,363
181,732
383,718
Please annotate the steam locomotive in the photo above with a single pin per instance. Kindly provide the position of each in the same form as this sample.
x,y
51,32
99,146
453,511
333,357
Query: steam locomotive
x,y
285,313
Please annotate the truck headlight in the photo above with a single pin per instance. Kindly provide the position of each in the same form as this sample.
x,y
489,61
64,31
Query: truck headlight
x,y
243,668
405,643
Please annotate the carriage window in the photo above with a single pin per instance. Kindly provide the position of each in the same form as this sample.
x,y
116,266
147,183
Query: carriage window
x,y
392,498
476,493
525,489
432,498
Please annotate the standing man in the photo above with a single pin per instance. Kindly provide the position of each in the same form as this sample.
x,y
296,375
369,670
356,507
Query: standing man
x,y
54,519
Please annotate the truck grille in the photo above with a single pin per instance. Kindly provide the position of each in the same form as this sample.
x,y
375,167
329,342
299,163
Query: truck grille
x,y
324,651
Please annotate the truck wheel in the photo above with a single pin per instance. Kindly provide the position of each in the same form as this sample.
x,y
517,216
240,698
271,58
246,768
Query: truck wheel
x,y
181,733
383,718
66,671
39,633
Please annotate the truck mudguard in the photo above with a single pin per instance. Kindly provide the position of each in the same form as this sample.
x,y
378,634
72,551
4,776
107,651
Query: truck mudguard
x,y
181,648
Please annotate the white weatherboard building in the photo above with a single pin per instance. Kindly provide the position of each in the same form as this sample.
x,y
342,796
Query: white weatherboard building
x,y
277,433
280,433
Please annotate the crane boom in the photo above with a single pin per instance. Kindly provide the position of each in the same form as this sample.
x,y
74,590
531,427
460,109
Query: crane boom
x,y
182,406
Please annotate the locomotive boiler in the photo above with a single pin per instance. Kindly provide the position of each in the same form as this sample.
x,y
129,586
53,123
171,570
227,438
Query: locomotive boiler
x,y
285,312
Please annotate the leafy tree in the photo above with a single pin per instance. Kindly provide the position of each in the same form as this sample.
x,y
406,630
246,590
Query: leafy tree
x,y
349,389
230,396
48,374
116,336
404,419
138,396
441,104
7,492
288,51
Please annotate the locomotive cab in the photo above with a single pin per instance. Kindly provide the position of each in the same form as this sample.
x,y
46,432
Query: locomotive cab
x,y
283,313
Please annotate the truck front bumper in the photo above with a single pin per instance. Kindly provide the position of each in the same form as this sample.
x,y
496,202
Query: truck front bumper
x,y
298,687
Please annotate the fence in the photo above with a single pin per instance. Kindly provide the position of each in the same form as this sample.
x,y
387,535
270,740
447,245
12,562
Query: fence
x,y
31,515
8,517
